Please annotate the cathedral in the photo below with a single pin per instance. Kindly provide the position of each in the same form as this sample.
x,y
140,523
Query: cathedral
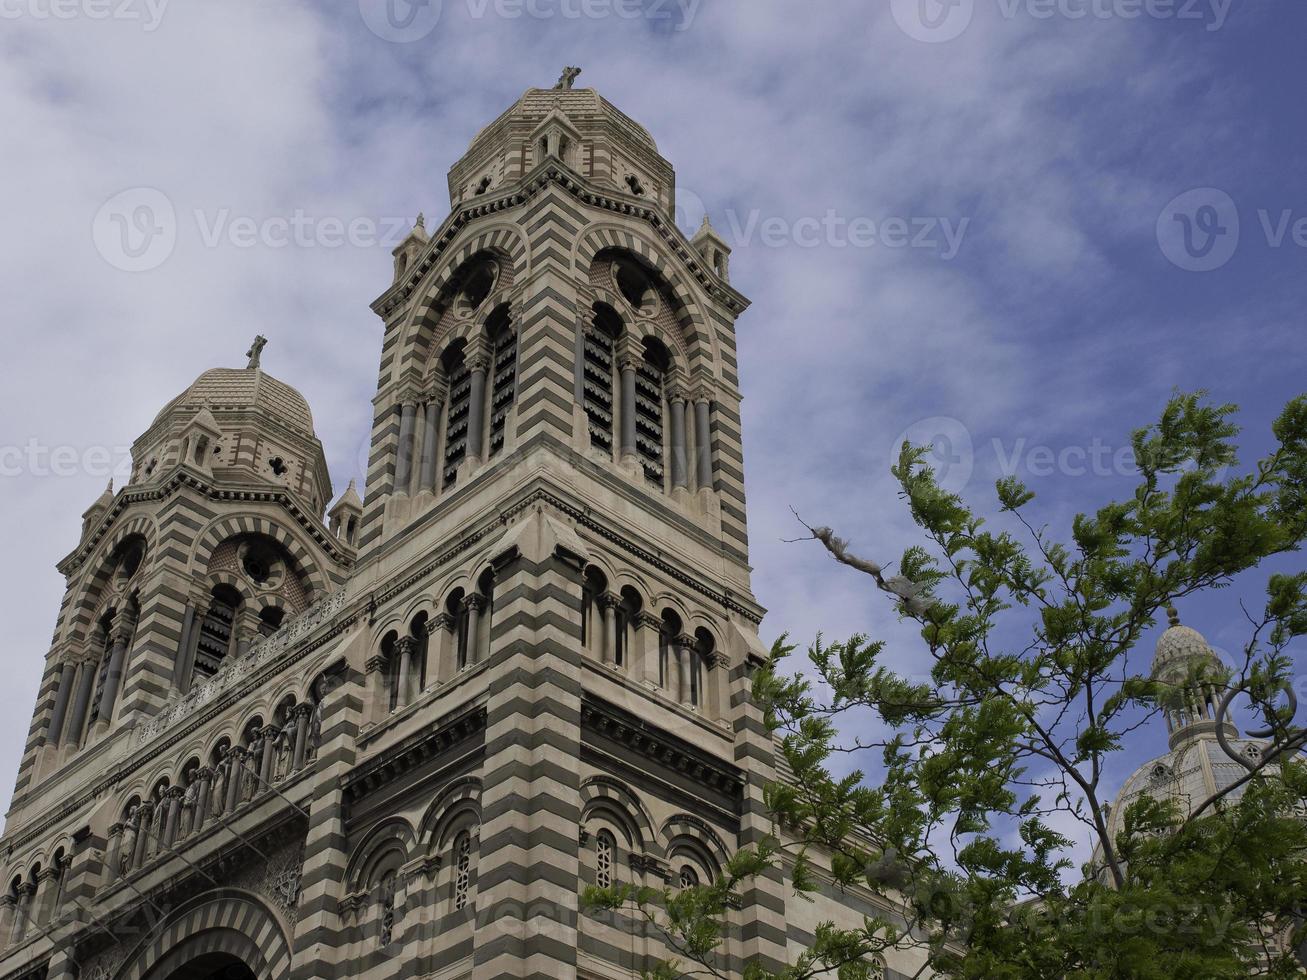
x,y
289,733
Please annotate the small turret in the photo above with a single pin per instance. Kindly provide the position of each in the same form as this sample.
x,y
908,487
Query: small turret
x,y
714,249
346,515
98,509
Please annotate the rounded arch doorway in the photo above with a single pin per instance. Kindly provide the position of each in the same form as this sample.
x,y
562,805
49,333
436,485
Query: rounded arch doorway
x,y
212,966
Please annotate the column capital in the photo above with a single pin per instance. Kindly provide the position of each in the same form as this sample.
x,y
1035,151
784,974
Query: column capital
x,y
176,793
124,622
609,600
204,774
46,874
629,361
406,645
116,828
270,731
408,395
646,620
442,622
7,901
475,601
677,392
27,889
477,353
702,393
686,641
303,710
375,664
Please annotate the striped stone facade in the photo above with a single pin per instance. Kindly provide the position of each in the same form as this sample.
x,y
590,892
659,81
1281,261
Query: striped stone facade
x,y
400,741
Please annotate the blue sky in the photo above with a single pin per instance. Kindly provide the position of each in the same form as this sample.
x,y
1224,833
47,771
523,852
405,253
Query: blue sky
x,y
833,144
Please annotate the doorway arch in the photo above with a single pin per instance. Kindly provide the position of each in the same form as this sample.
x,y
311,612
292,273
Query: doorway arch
x,y
221,935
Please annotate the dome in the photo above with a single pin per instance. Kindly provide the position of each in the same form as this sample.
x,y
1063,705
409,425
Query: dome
x,y
1181,646
579,105
1187,775
237,388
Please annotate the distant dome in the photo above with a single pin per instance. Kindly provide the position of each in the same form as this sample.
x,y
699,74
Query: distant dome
x,y
236,388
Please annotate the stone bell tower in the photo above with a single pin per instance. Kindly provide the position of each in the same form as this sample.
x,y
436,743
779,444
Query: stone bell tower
x,y
558,396
188,564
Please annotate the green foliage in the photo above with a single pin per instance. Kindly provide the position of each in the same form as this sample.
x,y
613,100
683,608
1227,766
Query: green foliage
x,y
986,771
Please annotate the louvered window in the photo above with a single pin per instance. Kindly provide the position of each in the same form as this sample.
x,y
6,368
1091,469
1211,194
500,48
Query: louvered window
x,y
504,387
460,400
215,636
597,378
649,420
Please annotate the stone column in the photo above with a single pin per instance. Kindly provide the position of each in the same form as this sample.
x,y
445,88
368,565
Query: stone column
x,y
81,700
442,661
203,798
406,646
7,915
608,603
113,857
427,476
270,734
680,456
123,626
23,910
246,628
685,656
173,823
703,442
378,699
143,815
179,667
479,365
404,455
67,675
302,713
645,629
629,363
43,897
475,603
234,774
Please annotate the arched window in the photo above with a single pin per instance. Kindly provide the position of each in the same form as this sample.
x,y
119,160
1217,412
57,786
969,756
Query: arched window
x,y
594,584
104,640
700,657
386,902
456,416
462,870
216,631
503,386
669,675
456,606
604,849
388,652
597,367
649,379
270,620
423,636
689,878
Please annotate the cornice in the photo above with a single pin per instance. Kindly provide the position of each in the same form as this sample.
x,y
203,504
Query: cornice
x,y
413,751
525,189
184,476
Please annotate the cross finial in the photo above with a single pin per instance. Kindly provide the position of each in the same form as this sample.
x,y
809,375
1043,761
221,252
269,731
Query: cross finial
x,y
255,353
421,222
567,79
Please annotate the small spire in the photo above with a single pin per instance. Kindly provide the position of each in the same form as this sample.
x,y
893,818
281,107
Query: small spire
x,y
421,221
1172,615
255,353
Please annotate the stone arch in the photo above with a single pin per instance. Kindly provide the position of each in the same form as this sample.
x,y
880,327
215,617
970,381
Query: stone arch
x,y
461,797
685,828
698,343
223,921
503,240
243,524
392,834
101,561
608,795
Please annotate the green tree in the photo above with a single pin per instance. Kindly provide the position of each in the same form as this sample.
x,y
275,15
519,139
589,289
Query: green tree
x,y
1028,699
